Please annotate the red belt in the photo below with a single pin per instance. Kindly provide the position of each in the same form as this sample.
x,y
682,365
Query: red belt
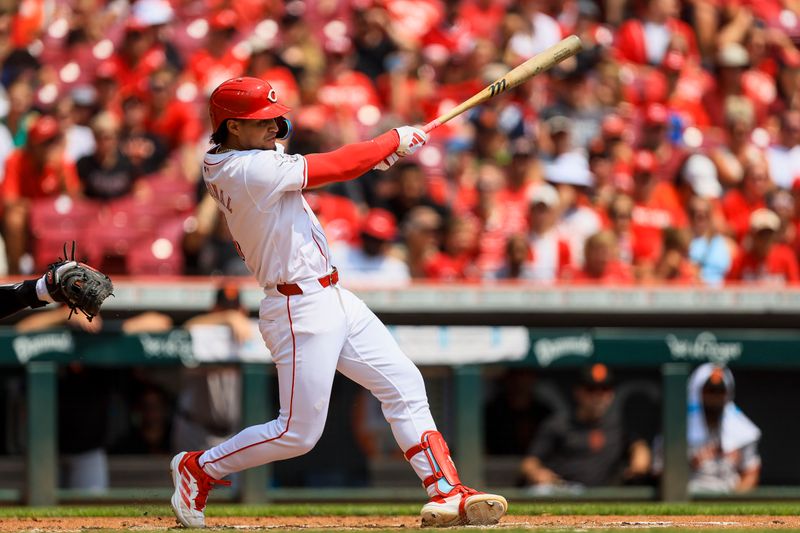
x,y
291,289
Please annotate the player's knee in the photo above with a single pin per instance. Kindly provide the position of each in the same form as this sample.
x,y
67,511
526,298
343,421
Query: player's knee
x,y
304,441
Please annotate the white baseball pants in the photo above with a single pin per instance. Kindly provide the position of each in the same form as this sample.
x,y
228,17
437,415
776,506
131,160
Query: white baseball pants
x,y
311,336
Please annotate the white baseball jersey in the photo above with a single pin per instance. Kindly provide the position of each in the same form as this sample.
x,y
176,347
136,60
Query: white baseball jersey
x,y
274,229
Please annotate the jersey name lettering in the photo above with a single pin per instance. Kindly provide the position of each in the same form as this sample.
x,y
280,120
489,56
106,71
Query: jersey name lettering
x,y
219,195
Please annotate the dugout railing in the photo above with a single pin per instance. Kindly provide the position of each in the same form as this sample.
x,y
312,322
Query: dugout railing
x,y
567,327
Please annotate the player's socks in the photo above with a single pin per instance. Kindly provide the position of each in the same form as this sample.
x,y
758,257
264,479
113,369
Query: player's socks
x,y
452,503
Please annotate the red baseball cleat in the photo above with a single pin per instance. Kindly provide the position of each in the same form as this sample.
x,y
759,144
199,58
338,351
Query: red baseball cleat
x,y
191,489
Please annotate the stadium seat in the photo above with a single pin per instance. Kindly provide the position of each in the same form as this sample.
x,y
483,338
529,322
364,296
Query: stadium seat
x,y
48,248
62,213
159,252
171,192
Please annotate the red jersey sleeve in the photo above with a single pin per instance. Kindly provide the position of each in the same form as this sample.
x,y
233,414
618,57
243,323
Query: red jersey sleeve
x,y
350,161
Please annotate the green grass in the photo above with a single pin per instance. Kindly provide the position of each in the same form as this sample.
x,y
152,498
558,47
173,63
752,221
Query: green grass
x,y
361,509
632,510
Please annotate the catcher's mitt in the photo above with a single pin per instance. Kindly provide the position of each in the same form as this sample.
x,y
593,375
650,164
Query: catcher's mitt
x,y
78,285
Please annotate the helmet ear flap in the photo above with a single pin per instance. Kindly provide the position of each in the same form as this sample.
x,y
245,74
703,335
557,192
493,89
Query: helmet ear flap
x,y
284,128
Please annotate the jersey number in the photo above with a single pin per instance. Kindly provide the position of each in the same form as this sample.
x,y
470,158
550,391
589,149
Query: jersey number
x,y
238,249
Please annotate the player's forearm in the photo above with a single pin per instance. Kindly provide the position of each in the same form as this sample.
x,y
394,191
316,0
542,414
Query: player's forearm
x,y
749,480
17,297
535,472
351,161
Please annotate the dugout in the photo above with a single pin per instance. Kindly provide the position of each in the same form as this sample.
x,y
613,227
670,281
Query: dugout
x,y
643,333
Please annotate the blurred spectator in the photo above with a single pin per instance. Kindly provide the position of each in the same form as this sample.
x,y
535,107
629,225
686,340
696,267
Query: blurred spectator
x,y
738,150
422,235
575,101
647,40
374,41
550,252
678,80
409,191
151,420
339,215
605,168
546,31
146,151
783,157
523,170
589,446
698,177
492,216
569,172
739,204
39,170
20,115
782,203
733,78
170,116
656,207
78,138
674,265
723,441
709,250
345,92
6,147
454,261
514,415
660,135
220,57
107,173
762,259
143,48
371,263
517,257
209,403
685,85
600,263
620,214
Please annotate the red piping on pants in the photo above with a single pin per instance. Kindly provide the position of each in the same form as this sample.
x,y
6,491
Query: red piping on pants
x,y
291,397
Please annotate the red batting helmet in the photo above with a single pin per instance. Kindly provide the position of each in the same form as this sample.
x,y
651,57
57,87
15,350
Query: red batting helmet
x,y
246,98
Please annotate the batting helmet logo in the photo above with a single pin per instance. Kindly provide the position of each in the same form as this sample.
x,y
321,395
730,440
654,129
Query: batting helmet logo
x,y
272,97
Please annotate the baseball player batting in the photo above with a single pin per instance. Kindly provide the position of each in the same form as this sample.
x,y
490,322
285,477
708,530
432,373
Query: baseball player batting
x,y
311,324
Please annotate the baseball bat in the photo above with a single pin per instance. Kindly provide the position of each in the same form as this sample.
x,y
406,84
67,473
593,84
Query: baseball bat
x,y
537,64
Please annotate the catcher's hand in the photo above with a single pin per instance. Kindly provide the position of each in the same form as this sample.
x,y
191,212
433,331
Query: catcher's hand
x,y
78,285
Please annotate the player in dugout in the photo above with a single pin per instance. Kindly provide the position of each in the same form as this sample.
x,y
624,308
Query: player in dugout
x,y
311,324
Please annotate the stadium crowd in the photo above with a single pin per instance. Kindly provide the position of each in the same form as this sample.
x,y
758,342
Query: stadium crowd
x,y
668,151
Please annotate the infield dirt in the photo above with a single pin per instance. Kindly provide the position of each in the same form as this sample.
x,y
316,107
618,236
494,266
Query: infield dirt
x,y
406,523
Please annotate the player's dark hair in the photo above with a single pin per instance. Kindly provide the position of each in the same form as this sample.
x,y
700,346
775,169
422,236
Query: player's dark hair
x,y
221,135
